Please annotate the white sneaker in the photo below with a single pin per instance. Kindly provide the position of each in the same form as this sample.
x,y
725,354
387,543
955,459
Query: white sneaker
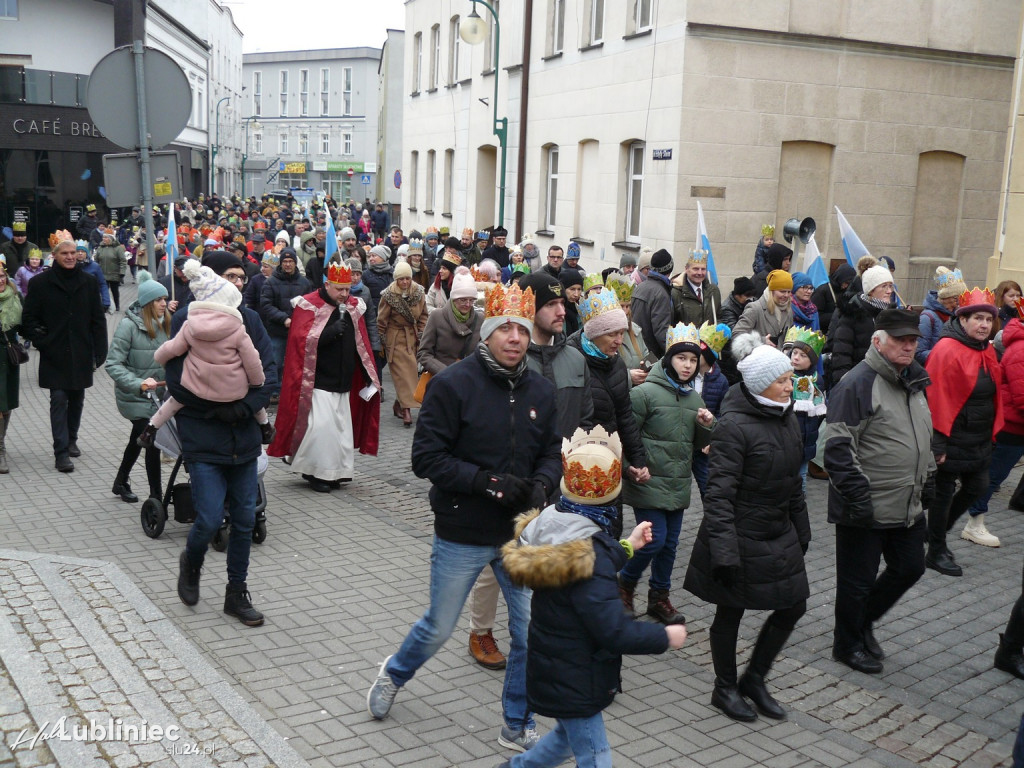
x,y
976,531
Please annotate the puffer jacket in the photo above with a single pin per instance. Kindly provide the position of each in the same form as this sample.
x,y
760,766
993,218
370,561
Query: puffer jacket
x,y
1013,377
566,368
877,444
851,337
667,420
578,631
609,385
276,300
828,296
130,362
933,318
755,519
652,311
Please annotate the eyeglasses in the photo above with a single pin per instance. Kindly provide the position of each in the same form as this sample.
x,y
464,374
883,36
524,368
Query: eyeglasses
x,y
236,279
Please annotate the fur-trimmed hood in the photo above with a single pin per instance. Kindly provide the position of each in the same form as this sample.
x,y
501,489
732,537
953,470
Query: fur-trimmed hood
x,y
551,549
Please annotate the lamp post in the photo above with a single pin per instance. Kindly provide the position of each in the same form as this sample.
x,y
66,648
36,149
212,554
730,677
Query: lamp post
x,y
245,154
216,146
473,30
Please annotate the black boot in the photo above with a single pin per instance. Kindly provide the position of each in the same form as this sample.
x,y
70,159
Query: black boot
x,y
661,608
1017,500
237,604
726,695
1010,658
627,591
73,450
188,579
940,559
123,489
768,645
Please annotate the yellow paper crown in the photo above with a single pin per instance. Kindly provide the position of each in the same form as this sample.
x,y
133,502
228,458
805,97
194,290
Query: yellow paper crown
x,y
597,304
767,230
698,256
682,333
592,281
715,337
621,286
35,253
813,339
591,466
510,302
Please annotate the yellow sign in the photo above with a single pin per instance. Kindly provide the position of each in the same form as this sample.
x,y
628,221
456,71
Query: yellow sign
x,y
294,167
162,189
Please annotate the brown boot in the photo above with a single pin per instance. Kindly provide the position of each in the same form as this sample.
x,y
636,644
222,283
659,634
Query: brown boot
x,y
627,592
485,651
816,472
660,607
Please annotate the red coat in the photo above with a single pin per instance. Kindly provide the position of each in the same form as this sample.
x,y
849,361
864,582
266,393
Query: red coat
x,y
308,320
953,369
1013,377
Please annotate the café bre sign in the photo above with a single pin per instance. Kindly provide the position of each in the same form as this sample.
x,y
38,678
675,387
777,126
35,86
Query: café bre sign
x,y
56,127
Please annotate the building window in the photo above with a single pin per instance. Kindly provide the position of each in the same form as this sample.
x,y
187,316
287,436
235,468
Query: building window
x,y
8,9
417,61
303,143
431,168
325,143
435,55
282,143
550,187
453,51
596,31
292,180
325,94
346,80
634,190
489,42
284,93
304,92
449,179
414,165
557,26
337,185
346,143
257,143
642,15
257,93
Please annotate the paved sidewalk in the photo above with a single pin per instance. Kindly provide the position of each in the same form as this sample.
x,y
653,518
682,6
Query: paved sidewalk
x,y
342,577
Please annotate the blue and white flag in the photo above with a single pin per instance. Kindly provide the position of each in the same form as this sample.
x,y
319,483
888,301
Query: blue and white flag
x,y
814,267
330,245
852,246
704,244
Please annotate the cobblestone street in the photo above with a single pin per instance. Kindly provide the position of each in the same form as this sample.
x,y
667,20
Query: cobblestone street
x,y
91,627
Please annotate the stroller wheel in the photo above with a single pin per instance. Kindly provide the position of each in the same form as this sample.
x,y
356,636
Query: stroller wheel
x,y
153,517
259,532
220,539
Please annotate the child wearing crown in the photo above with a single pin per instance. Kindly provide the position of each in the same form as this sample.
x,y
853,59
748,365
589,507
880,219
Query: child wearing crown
x,y
803,346
711,385
578,631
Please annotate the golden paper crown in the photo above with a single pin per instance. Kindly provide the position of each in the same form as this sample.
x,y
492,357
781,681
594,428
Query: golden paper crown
x,y
510,302
597,304
715,337
813,339
35,253
621,286
591,466
339,274
591,281
767,230
59,237
478,276
698,256
977,297
682,333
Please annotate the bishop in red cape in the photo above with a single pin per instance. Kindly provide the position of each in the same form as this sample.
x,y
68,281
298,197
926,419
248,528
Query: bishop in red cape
x,y
330,391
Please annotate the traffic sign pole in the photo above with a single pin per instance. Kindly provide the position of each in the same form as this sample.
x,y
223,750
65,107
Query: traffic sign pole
x,y
147,181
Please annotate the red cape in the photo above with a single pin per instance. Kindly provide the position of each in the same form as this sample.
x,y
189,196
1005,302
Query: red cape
x,y
308,320
953,369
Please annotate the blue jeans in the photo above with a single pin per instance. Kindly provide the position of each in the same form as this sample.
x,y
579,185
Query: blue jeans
x,y
700,469
278,345
454,569
1004,459
212,484
582,738
661,552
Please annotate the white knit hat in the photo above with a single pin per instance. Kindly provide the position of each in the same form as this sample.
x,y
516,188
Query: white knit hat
x,y
874,277
762,364
207,285
463,286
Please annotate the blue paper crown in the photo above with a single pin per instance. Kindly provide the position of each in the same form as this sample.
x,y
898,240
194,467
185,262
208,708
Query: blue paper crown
x,y
597,304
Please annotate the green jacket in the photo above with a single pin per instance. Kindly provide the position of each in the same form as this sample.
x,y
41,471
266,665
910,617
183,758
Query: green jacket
x,y
667,419
112,261
130,362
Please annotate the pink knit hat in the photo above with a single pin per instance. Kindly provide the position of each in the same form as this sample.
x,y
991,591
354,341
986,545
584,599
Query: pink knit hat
x,y
463,286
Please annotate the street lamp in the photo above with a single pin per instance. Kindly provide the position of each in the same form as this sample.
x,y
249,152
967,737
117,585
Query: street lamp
x,y
245,154
473,30
216,146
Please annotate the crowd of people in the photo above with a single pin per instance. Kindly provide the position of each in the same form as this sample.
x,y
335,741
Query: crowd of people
x,y
549,399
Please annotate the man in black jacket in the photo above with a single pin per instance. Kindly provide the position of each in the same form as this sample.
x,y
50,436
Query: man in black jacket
x,y
63,317
275,305
486,438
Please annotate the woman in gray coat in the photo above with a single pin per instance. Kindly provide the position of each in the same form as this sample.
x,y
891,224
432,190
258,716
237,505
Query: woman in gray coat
x,y
452,332
145,326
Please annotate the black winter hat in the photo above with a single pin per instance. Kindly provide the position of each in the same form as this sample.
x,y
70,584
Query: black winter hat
x,y
545,287
661,261
743,286
220,261
570,277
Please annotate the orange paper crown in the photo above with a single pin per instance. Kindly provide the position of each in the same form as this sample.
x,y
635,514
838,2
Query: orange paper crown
x,y
1018,304
339,274
510,302
977,297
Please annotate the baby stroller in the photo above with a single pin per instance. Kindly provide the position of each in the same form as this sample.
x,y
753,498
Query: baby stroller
x,y
178,496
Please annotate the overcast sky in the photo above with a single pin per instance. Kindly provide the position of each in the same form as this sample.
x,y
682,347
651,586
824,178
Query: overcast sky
x,y
289,25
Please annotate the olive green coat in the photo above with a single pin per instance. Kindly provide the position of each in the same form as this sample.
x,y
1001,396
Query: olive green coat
x,y
667,419
130,362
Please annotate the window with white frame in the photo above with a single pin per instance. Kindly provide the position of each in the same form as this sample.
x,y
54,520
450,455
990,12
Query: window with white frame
x,y
257,143
346,88
596,32
284,93
551,187
431,168
303,92
435,55
635,190
257,93
557,26
8,9
642,14
346,143
303,143
282,143
417,61
489,42
449,179
325,143
325,92
453,51
414,164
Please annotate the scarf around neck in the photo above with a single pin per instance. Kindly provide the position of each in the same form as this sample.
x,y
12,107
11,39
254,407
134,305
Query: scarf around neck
x,y
602,515
590,348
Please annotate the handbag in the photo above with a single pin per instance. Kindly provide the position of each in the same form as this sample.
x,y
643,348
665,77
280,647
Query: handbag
x,y
421,386
16,354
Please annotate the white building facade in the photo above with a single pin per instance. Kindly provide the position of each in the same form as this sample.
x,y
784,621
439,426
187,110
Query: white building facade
x,y
312,121
761,111
391,86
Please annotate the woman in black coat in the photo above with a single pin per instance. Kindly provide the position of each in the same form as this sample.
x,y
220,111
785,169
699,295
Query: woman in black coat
x,y
749,551
851,332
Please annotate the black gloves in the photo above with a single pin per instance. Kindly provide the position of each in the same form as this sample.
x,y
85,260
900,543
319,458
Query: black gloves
x,y
928,491
725,575
230,412
508,490
335,328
